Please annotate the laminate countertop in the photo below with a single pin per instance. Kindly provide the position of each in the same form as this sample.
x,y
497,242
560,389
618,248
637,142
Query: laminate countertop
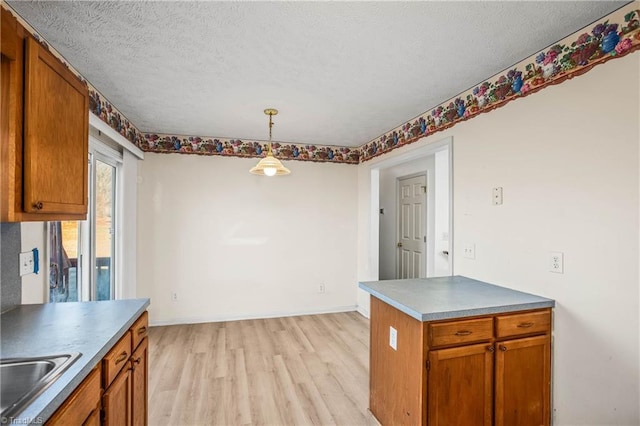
x,y
90,328
431,299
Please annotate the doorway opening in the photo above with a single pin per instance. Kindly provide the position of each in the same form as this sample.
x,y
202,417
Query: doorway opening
x,y
427,220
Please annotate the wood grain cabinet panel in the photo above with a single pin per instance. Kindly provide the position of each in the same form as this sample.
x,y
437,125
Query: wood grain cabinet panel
x,y
44,130
56,121
116,401
82,403
461,386
460,332
139,383
140,330
525,323
523,382
116,359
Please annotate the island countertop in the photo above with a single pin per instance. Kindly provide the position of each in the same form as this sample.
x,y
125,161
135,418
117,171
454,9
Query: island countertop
x,y
90,328
431,299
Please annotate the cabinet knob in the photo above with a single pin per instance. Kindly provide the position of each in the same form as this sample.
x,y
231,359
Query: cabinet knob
x,y
502,348
399,245
491,348
38,205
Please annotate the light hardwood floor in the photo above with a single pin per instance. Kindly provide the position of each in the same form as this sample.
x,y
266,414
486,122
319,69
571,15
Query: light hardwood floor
x,y
306,370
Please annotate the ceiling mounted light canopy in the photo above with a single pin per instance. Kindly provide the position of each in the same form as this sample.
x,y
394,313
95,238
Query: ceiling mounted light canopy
x,y
270,165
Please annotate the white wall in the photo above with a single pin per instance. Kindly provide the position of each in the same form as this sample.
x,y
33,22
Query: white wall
x,y
234,245
127,249
568,160
441,265
35,287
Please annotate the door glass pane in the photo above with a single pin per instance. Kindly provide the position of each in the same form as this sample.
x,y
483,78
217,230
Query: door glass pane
x,y
104,230
64,276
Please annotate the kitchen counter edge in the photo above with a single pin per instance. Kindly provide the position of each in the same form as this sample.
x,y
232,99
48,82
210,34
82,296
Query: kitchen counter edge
x,y
459,313
45,405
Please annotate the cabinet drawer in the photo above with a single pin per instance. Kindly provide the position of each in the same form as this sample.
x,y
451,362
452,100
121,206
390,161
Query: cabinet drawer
x,y
82,402
140,329
117,358
517,324
455,332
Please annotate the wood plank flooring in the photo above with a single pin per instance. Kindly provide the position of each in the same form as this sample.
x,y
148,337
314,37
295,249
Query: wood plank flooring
x,y
306,370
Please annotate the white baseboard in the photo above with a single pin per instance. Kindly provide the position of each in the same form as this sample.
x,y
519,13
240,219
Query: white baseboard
x,y
219,318
362,311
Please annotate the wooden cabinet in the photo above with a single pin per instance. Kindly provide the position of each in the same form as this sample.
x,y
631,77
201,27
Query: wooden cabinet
x,y
139,384
83,405
461,386
487,370
44,130
116,401
522,381
115,393
125,397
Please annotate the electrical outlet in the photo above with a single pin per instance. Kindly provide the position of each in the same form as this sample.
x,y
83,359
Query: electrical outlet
x,y
26,263
393,338
174,296
556,262
470,251
321,288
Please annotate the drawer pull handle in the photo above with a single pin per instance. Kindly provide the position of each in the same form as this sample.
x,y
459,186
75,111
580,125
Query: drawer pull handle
x,y
122,357
502,348
137,361
142,330
463,333
525,325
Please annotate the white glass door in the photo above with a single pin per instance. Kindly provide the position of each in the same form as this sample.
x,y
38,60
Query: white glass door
x,y
104,230
82,254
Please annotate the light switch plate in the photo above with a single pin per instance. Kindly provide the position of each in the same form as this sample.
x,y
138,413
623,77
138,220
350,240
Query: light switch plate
x,y
393,338
469,251
26,263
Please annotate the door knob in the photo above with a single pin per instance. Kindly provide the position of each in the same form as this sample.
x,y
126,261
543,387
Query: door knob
x,y
399,245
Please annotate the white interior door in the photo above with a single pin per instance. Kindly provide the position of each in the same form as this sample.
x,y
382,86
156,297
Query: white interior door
x,y
412,238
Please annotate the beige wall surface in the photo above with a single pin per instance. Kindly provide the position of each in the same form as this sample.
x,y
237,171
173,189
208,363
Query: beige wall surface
x,y
234,245
568,160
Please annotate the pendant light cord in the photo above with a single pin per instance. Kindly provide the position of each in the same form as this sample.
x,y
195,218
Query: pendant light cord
x,y
270,126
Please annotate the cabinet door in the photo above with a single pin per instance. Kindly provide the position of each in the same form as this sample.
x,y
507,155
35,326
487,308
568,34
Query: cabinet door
x,y
82,404
116,401
523,381
56,129
93,419
460,386
139,367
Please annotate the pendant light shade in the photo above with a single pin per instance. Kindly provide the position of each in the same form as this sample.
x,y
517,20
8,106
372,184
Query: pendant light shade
x,y
270,165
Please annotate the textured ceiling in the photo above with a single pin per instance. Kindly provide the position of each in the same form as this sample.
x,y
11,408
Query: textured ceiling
x,y
341,73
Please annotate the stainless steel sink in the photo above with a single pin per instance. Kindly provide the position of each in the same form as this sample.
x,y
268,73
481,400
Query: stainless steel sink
x,y
23,379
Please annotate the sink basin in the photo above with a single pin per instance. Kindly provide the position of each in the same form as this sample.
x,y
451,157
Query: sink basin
x,y
23,379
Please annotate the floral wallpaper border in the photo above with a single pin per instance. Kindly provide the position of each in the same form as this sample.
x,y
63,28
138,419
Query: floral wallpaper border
x,y
249,149
614,37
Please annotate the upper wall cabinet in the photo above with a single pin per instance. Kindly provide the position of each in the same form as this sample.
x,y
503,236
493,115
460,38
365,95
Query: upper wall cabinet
x,y
44,128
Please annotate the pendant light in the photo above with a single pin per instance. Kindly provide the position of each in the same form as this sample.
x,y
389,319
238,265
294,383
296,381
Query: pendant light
x,y
270,165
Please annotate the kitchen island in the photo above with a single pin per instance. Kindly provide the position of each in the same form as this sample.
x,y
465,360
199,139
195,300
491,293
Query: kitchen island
x,y
457,351
90,328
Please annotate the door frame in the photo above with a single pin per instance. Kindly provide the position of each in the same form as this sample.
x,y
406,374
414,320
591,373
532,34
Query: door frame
x,y
374,211
425,257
